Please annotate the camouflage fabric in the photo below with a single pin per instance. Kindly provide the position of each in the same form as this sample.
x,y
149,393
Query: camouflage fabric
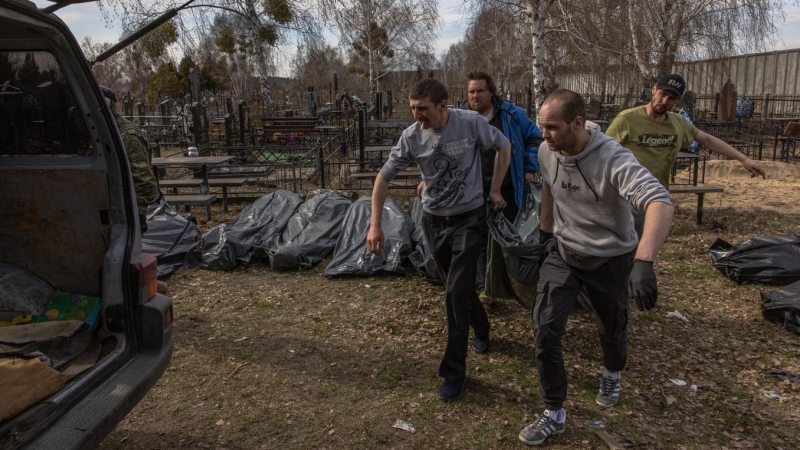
x,y
138,150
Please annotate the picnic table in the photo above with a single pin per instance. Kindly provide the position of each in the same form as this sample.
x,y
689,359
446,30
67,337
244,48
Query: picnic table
x,y
699,190
379,150
203,162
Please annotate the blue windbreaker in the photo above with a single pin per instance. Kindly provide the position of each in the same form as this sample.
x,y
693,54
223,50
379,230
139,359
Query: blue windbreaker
x,y
525,138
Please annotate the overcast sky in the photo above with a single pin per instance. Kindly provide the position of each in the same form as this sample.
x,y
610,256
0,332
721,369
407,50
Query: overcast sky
x,y
85,20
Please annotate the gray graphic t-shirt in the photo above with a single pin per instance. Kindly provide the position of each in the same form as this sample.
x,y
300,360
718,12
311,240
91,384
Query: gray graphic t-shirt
x,y
449,159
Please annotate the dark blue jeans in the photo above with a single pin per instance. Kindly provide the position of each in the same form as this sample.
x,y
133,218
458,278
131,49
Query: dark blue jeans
x,y
455,242
556,294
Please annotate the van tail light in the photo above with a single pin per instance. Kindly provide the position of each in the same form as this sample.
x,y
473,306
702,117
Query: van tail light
x,y
145,271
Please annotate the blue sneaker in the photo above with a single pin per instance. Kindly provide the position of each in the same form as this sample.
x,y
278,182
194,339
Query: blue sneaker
x,y
481,345
452,388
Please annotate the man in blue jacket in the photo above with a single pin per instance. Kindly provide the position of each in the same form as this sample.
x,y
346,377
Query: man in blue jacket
x,y
525,138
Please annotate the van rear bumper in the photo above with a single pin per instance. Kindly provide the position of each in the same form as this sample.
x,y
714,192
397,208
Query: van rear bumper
x,y
90,420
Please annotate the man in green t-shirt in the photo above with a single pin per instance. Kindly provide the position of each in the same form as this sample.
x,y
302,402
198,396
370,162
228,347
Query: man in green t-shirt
x,y
655,135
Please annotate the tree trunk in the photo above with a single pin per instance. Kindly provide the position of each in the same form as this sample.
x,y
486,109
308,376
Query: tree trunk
x,y
262,66
638,56
536,9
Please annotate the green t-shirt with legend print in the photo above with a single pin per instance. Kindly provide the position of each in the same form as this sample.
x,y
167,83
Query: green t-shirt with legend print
x,y
655,144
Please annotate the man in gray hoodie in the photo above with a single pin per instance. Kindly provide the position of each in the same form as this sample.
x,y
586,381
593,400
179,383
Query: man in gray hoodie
x,y
590,184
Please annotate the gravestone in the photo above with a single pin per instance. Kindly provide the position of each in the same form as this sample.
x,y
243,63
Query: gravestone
x,y
312,102
200,121
127,109
727,103
165,107
194,85
142,111
245,135
688,103
229,131
593,109
378,105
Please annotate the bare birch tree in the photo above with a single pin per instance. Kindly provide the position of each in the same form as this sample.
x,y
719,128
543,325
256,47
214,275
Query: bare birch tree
x,y
382,35
663,31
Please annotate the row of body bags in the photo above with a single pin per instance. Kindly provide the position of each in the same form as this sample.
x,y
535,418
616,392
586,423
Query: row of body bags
x,y
293,234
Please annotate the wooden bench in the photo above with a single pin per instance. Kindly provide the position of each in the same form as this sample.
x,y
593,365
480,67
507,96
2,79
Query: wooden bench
x,y
308,121
700,191
378,150
193,200
224,183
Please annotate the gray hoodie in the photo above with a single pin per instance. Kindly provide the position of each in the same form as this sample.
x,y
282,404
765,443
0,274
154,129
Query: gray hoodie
x,y
593,193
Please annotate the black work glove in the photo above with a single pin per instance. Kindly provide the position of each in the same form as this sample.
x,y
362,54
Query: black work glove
x,y
544,236
642,284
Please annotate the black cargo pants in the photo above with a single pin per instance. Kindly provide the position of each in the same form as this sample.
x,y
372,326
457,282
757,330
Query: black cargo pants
x,y
556,294
455,242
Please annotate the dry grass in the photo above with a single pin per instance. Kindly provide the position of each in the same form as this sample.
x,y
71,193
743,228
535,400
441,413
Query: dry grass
x,y
294,360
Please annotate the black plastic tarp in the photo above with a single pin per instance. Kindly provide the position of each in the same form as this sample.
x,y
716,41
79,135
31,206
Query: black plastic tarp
x,y
250,237
421,257
514,253
351,257
169,237
773,260
783,307
311,232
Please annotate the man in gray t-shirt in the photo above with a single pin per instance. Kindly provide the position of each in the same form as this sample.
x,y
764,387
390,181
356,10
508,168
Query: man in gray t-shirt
x,y
446,145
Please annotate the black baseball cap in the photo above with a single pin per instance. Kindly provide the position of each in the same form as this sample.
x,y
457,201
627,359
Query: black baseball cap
x,y
673,83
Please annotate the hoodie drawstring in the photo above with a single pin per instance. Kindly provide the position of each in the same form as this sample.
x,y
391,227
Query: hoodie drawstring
x,y
578,166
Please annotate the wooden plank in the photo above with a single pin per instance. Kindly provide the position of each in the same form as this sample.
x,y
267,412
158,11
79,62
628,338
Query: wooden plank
x,y
192,200
389,123
189,182
213,182
378,148
229,182
694,189
375,174
191,161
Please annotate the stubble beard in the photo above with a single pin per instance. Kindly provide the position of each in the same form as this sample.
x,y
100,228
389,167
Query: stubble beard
x,y
658,113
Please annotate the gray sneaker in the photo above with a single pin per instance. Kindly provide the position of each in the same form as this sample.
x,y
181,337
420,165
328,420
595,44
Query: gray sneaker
x,y
609,391
537,432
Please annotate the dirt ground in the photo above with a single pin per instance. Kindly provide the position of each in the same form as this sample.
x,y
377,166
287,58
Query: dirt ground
x,y
273,360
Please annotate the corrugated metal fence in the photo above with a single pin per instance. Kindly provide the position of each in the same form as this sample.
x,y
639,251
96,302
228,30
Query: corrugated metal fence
x,y
771,80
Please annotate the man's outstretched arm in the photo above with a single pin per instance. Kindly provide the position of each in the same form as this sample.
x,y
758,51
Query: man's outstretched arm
x,y
375,238
719,146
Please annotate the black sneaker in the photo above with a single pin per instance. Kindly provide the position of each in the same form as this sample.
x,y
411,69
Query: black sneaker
x,y
481,345
537,432
451,388
609,391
